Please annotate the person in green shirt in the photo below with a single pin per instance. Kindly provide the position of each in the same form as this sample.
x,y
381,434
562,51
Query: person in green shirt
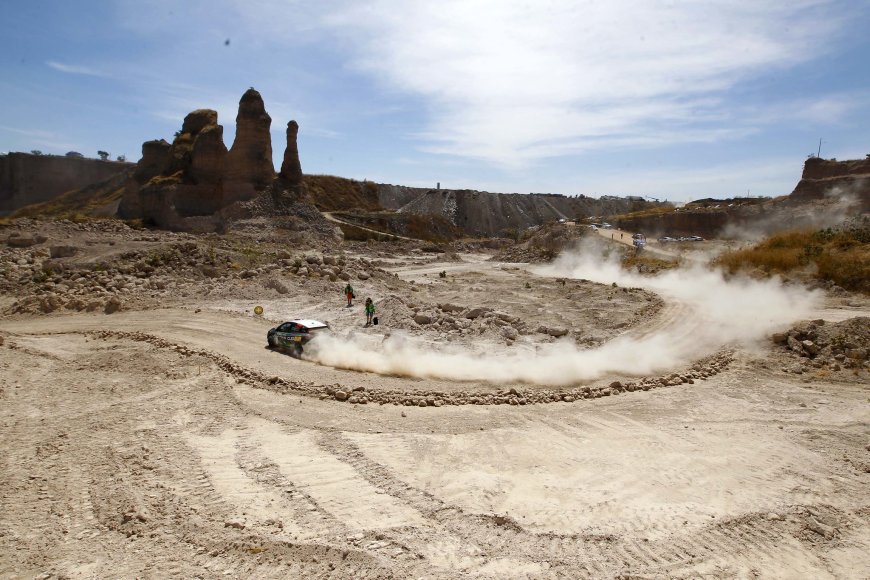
x,y
370,311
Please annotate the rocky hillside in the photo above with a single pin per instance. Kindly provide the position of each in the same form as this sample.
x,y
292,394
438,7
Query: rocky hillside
x,y
27,179
331,193
480,213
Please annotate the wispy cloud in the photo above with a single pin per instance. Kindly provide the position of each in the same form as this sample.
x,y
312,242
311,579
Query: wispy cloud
x,y
506,79
76,69
49,139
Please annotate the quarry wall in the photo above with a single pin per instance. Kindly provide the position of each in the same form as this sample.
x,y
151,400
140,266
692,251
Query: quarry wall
x,y
26,178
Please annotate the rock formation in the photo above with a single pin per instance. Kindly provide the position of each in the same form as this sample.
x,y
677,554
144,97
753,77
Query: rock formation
x,y
190,184
155,160
291,168
249,163
822,177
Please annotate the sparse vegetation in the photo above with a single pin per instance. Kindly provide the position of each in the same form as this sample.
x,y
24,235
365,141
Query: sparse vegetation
x,y
644,263
838,255
331,193
647,212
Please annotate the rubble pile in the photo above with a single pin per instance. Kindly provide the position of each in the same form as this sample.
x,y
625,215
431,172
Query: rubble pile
x,y
834,346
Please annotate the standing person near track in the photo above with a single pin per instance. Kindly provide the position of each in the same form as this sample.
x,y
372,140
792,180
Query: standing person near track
x,y
370,311
348,291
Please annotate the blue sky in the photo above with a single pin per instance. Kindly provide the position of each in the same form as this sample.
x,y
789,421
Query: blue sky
x,y
675,100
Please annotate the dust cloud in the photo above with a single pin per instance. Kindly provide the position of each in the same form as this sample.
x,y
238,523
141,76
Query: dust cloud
x,y
838,205
705,311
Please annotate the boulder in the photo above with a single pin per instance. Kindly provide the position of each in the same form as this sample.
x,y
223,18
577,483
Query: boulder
x,y
779,337
856,353
795,345
62,251
19,241
476,312
421,318
810,347
113,305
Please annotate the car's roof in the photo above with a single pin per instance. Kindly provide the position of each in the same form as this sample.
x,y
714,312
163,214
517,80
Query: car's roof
x,y
309,323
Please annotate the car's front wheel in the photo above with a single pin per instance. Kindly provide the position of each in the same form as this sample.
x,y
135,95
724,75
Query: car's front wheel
x,y
273,342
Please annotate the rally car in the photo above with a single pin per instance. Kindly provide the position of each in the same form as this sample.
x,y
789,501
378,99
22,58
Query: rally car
x,y
293,334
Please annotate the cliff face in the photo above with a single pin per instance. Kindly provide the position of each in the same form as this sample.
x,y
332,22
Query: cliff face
x,y
822,177
26,179
490,214
707,224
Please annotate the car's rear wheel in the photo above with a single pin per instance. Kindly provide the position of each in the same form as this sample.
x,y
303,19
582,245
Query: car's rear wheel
x,y
297,350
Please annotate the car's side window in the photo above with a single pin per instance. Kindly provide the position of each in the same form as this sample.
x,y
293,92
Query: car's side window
x,y
286,327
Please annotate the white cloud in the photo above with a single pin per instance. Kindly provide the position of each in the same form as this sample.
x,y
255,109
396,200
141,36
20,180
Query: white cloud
x,y
506,82
75,69
510,82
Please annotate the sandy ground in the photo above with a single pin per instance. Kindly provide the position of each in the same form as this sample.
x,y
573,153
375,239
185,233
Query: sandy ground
x,y
155,443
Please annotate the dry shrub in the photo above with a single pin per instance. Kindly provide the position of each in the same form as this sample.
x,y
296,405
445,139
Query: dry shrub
x,y
849,269
838,255
770,260
646,263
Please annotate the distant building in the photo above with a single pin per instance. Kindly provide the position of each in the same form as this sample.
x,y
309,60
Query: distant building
x,y
74,154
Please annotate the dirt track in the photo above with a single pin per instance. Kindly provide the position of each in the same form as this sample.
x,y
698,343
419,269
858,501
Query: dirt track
x,y
176,455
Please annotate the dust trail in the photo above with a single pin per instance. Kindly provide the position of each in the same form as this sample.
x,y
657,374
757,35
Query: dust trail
x,y
715,311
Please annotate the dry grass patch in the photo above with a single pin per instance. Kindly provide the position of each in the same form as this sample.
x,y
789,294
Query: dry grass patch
x,y
840,255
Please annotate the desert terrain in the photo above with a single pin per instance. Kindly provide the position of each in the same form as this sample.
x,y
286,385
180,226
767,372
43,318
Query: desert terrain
x,y
504,419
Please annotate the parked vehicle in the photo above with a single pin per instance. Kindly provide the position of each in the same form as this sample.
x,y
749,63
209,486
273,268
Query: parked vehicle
x,y
293,334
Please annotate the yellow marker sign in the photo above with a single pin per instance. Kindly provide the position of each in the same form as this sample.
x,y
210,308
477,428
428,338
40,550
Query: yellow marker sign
x,y
258,310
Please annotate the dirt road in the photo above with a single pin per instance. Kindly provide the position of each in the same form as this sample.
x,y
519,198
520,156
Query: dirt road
x,y
146,457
